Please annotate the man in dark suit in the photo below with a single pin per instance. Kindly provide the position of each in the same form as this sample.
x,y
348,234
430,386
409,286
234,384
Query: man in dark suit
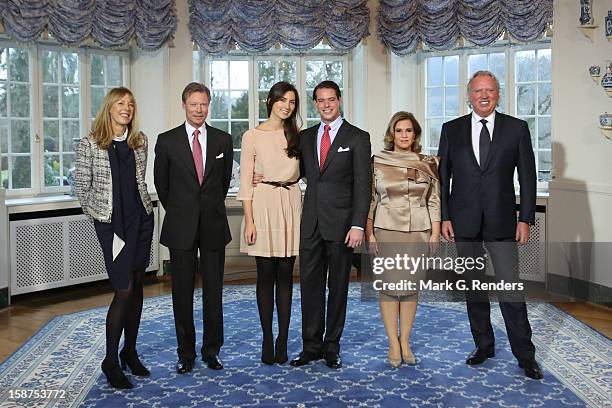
x,y
336,165
480,153
193,168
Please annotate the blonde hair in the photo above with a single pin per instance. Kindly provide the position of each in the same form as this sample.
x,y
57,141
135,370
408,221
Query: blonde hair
x,y
390,133
102,127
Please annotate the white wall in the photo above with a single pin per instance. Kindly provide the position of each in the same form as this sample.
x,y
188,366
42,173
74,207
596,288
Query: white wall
x,y
581,192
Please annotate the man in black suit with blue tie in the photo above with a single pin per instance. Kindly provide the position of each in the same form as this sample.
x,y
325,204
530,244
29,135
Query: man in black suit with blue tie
x,y
193,169
479,153
336,164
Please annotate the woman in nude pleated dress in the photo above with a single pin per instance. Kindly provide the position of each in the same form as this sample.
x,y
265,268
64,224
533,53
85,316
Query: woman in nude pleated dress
x,y
272,209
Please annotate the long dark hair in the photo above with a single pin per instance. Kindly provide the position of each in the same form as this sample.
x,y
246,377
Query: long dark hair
x,y
290,125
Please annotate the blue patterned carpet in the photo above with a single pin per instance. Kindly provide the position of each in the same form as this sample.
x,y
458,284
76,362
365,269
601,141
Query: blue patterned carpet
x,y
67,352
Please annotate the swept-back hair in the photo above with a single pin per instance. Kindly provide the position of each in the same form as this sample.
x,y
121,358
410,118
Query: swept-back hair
x,y
390,133
290,125
102,127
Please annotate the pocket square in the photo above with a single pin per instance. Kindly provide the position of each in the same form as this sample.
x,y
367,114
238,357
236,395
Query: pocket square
x,y
343,149
220,156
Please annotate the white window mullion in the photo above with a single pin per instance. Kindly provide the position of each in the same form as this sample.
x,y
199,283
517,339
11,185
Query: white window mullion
x,y
301,87
463,95
85,95
510,83
253,94
37,122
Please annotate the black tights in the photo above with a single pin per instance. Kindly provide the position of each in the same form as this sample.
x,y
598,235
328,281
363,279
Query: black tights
x,y
270,272
124,316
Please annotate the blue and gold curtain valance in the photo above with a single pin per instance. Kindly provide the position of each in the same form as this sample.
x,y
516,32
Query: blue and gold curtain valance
x,y
256,25
111,23
403,24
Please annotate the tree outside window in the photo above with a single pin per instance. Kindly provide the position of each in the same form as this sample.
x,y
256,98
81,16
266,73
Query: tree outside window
x,y
15,119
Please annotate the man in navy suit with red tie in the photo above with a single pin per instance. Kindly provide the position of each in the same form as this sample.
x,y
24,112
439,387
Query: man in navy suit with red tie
x,y
193,168
479,153
336,164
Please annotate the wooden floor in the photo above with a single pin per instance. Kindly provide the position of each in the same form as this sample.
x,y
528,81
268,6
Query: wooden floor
x,y
30,312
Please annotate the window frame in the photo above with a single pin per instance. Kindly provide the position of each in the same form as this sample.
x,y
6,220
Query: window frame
x,y
509,106
34,153
36,105
201,74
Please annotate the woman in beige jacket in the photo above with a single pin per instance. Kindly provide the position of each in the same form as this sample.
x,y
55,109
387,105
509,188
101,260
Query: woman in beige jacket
x,y
404,218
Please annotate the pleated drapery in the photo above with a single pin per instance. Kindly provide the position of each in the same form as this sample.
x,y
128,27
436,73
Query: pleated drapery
x,y
257,25
111,23
403,24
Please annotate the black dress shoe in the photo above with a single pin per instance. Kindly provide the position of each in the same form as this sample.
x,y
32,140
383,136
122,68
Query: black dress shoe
x,y
333,360
532,369
183,367
115,376
131,360
479,356
213,362
304,358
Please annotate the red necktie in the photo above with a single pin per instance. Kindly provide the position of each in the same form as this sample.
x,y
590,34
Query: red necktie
x,y
196,150
325,144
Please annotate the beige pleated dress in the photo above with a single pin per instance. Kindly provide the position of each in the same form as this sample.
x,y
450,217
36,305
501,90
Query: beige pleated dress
x,y
276,210
405,201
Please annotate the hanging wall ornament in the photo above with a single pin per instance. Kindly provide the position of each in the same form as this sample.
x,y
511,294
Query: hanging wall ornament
x,y
595,72
587,22
586,13
608,24
606,81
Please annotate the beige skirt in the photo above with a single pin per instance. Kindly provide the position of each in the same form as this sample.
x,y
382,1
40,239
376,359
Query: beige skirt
x,y
409,246
276,213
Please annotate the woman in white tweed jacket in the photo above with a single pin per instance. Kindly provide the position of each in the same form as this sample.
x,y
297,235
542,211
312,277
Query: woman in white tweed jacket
x,y
110,184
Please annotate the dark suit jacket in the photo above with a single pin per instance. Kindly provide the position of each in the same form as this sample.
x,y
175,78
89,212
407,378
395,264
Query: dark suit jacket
x,y
184,200
338,197
487,194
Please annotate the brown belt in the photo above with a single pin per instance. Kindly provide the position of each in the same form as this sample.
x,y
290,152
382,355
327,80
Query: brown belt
x,y
283,184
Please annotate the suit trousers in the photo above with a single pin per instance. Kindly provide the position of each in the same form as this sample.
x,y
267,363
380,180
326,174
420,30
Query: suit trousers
x,y
504,256
184,265
317,257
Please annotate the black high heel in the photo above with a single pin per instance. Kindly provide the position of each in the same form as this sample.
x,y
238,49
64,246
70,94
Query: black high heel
x,y
132,360
267,352
280,352
115,376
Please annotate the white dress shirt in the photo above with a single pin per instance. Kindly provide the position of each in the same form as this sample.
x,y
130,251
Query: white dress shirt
x,y
477,128
201,138
334,126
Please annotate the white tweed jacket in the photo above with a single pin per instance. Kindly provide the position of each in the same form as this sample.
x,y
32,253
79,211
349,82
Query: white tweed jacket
x,y
93,181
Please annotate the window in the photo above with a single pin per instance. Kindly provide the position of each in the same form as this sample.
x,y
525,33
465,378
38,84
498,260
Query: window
x,y
239,85
534,102
106,73
15,118
441,96
229,107
525,92
46,92
61,114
